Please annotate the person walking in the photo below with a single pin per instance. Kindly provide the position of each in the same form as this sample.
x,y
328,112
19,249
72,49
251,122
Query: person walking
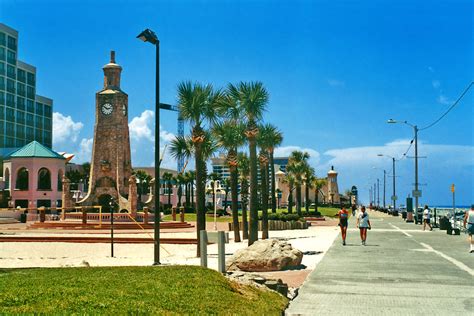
x,y
343,220
469,220
354,208
427,218
363,223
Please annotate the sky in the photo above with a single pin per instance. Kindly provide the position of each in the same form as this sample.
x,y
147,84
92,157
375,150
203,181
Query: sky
x,y
336,71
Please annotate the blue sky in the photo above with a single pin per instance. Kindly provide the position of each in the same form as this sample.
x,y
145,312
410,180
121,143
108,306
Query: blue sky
x,y
335,70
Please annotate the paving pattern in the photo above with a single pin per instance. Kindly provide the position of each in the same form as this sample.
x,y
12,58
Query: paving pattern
x,y
401,271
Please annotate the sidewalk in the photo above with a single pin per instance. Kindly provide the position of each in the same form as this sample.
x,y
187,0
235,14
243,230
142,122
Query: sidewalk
x,y
402,271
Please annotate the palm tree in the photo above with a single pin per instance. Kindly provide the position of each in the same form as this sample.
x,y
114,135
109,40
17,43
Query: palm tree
x,y
317,185
229,136
197,104
290,180
143,180
308,182
244,172
274,139
168,179
251,99
297,165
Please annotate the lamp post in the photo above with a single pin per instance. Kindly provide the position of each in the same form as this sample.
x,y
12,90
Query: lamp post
x,y
394,196
150,37
384,180
416,193
378,193
215,186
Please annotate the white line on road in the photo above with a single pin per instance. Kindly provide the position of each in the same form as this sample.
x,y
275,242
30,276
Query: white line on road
x,y
460,265
400,230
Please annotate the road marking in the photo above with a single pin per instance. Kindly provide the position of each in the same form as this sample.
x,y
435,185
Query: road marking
x,y
400,230
460,265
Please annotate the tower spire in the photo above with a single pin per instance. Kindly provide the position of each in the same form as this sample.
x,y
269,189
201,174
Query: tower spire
x,y
112,73
112,57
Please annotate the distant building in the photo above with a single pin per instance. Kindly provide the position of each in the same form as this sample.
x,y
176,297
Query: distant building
x,y
220,166
24,115
281,162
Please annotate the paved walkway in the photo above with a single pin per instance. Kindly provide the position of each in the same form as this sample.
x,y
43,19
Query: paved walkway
x,y
401,271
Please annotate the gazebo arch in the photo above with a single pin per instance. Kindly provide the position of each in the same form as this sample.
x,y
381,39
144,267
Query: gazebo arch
x,y
44,179
22,179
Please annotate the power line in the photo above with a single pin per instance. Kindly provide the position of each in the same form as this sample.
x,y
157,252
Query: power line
x,y
406,152
450,108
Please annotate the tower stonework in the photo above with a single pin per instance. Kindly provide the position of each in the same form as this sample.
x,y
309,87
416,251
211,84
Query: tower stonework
x,y
111,166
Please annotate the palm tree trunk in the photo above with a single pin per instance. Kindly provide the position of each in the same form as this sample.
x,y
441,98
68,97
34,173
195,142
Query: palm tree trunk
x,y
192,194
186,194
200,195
307,197
290,201
298,199
244,200
272,172
264,176
234,197
253,232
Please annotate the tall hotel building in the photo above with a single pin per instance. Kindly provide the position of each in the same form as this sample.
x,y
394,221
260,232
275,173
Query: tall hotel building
x,y
24,115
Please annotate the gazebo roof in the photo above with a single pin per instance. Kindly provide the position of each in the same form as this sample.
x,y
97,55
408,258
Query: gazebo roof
x,y
34,150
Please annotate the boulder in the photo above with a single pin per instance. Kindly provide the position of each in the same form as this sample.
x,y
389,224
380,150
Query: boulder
x,y
265,255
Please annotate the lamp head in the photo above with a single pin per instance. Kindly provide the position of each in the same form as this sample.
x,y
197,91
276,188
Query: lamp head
x,y
380,155
148,36
391,121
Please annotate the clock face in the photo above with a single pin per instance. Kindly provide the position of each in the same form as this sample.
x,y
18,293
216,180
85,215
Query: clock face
x,y
107,109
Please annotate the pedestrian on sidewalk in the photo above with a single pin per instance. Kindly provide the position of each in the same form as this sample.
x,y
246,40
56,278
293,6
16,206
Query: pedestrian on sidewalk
x,y
427,218
354,209
363,223
343,219
469,220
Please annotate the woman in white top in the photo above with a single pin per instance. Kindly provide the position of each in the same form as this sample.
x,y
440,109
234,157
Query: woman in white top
x,y
363,223
426,217
469,220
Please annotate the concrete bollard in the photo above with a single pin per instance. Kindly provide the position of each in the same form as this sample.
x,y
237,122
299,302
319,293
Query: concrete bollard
x,y
181,214
173,213
145,215
221,251
84,216
203,246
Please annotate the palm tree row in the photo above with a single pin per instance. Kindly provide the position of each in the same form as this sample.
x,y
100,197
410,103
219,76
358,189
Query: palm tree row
x,y
226,120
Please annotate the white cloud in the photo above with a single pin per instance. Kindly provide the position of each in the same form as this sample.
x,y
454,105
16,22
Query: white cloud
x,y
444,100
141,126
285,151
65,130
436,84
83,151
336,83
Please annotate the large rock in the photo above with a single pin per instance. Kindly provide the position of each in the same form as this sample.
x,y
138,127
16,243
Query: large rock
x,y
265,255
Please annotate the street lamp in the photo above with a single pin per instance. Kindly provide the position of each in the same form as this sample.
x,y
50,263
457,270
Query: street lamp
x,y
150,37
416,193
384,176
394,196
215,186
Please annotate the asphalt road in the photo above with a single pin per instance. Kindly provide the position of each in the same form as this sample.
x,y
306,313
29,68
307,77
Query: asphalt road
x,y
401,271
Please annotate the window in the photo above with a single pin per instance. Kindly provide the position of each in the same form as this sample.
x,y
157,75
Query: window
x,y
20,119
21,75
10,113
11,72
20,142
12,43
20,103
2,126
11,57
47,110
7,179
9,141
11,86
30,92
22,179
2,83
2,98
60,180
2,113
39,108
38,121
44,179
30,121
21,89
10,100
2,54
47,139
39,135
2,68
3,40
31,79
30,106
30,134
47,124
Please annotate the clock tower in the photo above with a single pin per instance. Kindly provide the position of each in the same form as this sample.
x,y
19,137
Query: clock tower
x,y
111,167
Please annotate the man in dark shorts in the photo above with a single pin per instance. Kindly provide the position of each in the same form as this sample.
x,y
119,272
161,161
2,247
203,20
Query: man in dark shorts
x,y
363,223
343,220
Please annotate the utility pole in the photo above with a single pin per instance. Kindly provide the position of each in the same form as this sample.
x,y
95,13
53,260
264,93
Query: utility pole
x,y
384,176
394,197
415,127
378,193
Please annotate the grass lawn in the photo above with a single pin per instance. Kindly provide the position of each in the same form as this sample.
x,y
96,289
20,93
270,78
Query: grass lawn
x,y
325,211
170,290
